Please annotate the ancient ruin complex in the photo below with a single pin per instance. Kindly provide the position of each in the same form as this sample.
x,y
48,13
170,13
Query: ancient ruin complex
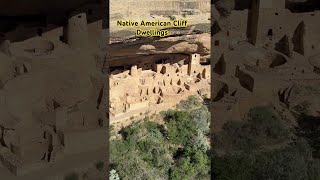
x,y
51,96
136,91
265,54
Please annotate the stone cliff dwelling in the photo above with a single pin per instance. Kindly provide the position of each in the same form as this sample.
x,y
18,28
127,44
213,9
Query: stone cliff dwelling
x,y
51,86
137,91
266,53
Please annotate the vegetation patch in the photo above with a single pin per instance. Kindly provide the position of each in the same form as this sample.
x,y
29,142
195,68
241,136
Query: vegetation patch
x,y
263,147
177,149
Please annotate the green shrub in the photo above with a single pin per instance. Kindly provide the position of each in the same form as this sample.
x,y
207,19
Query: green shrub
x,y
149,150
261,128
201,118
191,102
181,128
201,142
192,164
262,148
309,129
293,161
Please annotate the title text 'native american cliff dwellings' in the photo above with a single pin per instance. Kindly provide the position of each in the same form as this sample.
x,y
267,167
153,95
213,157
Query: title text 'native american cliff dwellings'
x,y
190,12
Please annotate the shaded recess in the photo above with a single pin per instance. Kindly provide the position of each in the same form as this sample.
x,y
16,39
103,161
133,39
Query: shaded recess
x,y
220,66
245,79
277,60
298,38
30,21
303,5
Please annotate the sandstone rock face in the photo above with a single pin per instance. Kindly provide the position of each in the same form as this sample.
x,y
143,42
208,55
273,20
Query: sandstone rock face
x,y
225,6
205,41
183,47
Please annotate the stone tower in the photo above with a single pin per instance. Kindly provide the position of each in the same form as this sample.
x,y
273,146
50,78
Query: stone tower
x,y
77,31
194,63
134,71
264,18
